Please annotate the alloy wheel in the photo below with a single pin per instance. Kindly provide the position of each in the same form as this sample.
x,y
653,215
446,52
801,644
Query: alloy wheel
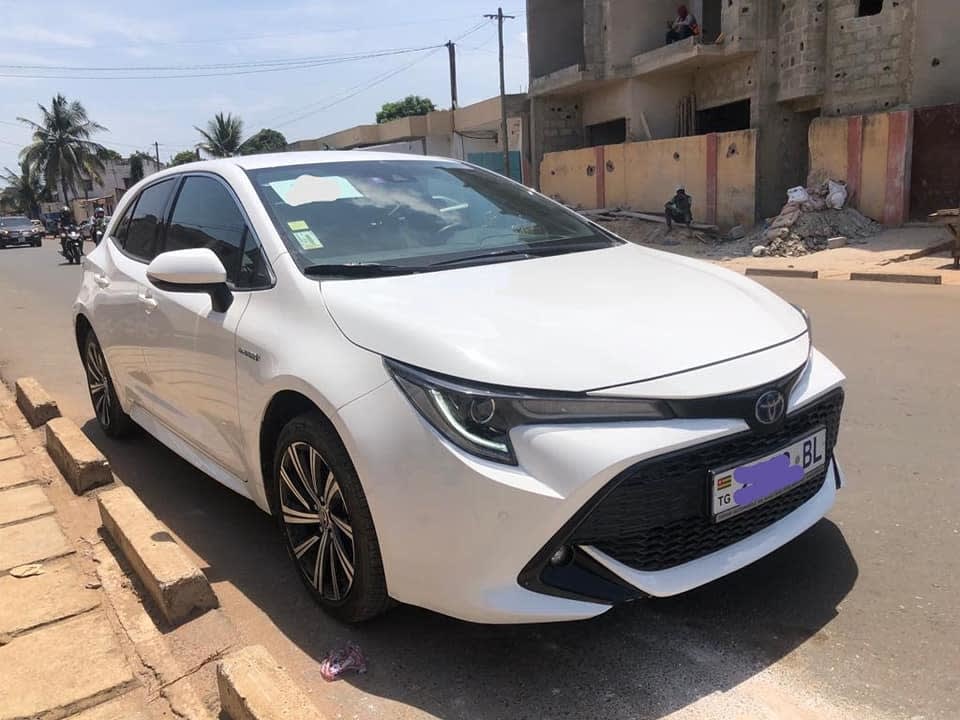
x,y
317,521
98,383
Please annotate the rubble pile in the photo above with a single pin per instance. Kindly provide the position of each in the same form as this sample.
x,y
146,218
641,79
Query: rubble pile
x,y
808,222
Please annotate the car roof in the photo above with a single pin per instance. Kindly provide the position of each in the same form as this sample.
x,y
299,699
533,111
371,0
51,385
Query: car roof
x,y
285,159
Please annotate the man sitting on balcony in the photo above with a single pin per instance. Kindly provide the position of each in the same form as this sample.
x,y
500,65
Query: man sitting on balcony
x,y
683,27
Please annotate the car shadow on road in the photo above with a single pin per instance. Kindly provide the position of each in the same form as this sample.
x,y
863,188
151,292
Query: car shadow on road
x,y
642,660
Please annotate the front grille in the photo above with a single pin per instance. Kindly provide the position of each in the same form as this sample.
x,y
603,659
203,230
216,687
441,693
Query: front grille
x,y
656,515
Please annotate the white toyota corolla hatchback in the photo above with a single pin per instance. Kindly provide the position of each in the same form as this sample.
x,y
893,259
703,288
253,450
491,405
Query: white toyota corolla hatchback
x,y
452,391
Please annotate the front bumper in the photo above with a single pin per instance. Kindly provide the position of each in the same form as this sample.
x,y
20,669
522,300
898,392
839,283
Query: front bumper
x,y
470,538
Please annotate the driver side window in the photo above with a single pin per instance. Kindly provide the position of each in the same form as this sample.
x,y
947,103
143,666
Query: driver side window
x,y
206,216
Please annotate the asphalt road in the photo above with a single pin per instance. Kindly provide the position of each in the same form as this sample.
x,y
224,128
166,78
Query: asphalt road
x,y
856,618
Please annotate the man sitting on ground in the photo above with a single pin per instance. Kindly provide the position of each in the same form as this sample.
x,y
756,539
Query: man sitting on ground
x,y
679,209
683,27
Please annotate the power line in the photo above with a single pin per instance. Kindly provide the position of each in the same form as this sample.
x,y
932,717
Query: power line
x,y
229,39
371,82
219,66
252,70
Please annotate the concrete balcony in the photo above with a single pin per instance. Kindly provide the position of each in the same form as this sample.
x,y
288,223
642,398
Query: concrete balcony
x,y
566,81
688,55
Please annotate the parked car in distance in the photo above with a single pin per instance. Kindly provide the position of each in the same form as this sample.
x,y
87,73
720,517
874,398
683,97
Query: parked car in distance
x,y
453,392
51,222
19,230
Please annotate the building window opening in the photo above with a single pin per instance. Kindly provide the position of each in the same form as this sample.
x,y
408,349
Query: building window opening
x,y
607,133
724,118
869,7
712,11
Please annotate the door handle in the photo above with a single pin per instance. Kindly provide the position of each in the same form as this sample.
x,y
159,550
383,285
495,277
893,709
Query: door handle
x,y
101,280
148,302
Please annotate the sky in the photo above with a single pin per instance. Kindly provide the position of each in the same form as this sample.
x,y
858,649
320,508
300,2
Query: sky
x,y
92,48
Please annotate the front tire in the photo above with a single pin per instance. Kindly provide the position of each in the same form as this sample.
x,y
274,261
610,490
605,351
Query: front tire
x,y
325,521
110,416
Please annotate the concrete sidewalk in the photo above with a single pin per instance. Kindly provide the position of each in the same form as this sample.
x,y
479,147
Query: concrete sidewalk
x,y
59,650
911,250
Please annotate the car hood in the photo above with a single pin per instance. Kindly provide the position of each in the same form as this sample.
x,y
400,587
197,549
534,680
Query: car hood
x,y
575,322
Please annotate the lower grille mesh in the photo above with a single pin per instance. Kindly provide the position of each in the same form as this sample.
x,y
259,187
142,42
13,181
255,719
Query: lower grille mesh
x,y
657,516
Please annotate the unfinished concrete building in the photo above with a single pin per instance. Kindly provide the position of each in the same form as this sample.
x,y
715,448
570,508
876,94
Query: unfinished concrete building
x,y
601,74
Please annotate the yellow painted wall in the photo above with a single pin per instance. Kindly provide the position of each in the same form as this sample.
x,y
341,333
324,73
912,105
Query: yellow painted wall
x,y
563,175
828,149
873,179
615,167
644,175
656,168
737,178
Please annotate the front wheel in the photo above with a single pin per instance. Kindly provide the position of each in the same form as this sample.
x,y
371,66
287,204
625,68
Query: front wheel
x,y
112,419
325,521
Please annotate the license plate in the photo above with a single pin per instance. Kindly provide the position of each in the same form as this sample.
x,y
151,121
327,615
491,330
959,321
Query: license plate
x,y
737,489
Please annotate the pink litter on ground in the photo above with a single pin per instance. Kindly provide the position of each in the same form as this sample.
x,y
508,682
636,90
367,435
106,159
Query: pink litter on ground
x,y
338,662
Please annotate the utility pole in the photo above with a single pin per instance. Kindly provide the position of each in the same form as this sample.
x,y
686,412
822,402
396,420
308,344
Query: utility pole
x,y
500,17
452,51
156,148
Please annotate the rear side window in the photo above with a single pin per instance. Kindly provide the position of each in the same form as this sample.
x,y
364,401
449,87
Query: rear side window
x,y
207,216
120,231
143,234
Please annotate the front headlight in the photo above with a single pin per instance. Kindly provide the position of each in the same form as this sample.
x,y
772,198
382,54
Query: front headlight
x,y
479,418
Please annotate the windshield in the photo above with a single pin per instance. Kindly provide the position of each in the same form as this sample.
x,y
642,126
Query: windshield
x,y
413,215
15,223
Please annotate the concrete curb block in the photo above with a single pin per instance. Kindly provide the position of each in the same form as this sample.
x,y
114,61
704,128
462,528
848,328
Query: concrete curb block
x,y
82,465
34,402
254,687
899,278
783,272
176,584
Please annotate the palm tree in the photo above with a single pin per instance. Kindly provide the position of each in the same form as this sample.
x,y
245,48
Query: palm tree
x,y
26,189
223,135
62,150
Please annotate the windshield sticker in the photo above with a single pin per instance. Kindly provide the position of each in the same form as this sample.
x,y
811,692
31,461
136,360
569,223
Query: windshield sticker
x,y
308,240
310,189
297,225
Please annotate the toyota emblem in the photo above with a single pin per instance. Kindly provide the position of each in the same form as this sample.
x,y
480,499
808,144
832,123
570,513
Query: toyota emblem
x,y
769,408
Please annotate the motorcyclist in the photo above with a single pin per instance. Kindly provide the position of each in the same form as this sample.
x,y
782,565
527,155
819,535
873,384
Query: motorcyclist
x,y
66,221
99,225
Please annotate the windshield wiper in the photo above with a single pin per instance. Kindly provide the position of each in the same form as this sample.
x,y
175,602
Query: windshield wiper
x,y
360,270
489,254
537,249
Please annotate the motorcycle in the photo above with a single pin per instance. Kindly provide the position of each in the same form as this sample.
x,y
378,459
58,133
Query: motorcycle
x,y
71,244
96,234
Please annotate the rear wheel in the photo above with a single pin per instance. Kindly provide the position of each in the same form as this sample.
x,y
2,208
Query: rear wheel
x,y
326,523
112,419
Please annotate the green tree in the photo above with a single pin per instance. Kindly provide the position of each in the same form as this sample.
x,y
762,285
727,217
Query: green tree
x,y
410,105
265,141
25,191
62,150
222,135
136,165
109,154
183,157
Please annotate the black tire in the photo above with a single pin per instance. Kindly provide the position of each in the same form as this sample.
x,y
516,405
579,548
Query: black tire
x,y
110,416
326,486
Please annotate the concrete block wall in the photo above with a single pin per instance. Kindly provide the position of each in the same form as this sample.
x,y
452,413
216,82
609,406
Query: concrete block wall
x,y
722,84
594,33
802,52
738,20
868,57
560,123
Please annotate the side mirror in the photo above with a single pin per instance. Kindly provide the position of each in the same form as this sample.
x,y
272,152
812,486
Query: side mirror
x,y
193,270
